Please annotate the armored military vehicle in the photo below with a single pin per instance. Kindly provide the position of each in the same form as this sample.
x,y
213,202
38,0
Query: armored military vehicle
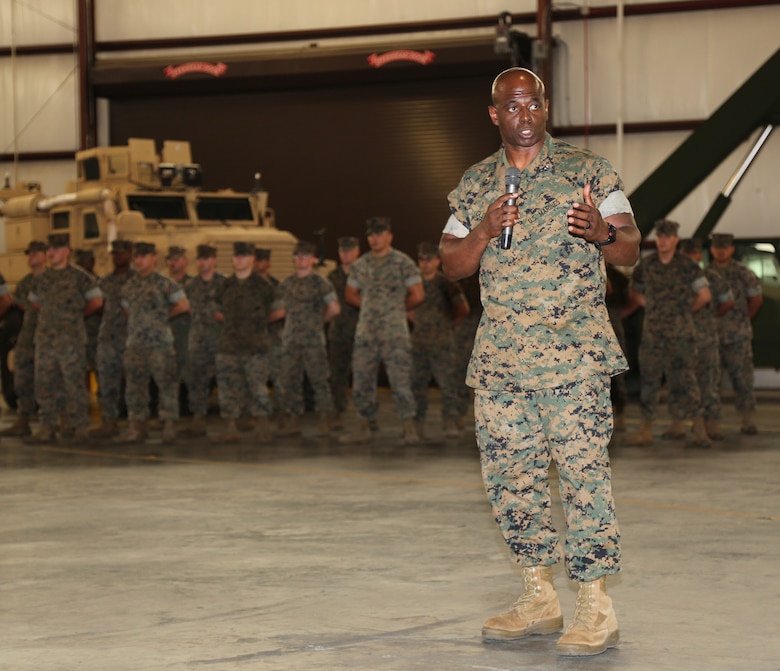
x,y
130,192
133,193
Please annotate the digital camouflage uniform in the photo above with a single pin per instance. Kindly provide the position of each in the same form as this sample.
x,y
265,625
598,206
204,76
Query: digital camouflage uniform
x,y
341,340
735,332
707,365
180,327
668,345
382,333
111,340
204,334
24,350
61,344
465,332
304,350
244,346
543,356
149,350
275,353
433,346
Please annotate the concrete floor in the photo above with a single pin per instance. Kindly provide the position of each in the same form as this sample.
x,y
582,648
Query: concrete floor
x,y
309,555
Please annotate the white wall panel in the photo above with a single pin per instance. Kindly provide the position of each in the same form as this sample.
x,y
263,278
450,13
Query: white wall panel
x,y
37,22
43,114
144,18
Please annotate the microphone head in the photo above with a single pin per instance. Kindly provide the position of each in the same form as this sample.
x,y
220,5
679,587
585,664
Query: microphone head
x,y
512,176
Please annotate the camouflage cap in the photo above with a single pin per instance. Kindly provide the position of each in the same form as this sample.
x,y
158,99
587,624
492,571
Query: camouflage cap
x,y
345,244
262,254
243,249
36,246
58,240
144,248
206,252
304,248
427,250
666,227
174,252
377,225
722,239
84,255
690,245
119,246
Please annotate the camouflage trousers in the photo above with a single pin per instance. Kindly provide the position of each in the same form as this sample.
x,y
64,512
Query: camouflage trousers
x,y
310,359
737,360
396,353
675,358
201,370
24,378
275,372
464,343
435,360
110,371
518,435
340,360
707,368
61,385
242,380
158,363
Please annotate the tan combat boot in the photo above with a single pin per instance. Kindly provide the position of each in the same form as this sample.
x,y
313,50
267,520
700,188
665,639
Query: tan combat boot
x,y
169,432
263,433
748,426
451,429
410,435
642,437
713,429
594,627
45,435
290,427
360,434
154,424
536,611
324,427
699,437
196,428
245,423
108,428
19,429
676,431
229,435
337,423
136,433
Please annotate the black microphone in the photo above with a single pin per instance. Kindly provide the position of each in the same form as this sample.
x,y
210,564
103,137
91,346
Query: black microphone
x,y
512,182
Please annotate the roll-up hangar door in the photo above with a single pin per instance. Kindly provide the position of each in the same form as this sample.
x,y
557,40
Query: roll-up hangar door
x,y
331,156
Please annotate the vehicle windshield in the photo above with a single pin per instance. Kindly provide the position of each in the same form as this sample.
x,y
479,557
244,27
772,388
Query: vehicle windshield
x,y
221,208
158,207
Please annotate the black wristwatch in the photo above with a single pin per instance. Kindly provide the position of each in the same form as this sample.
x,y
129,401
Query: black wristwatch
x,y
610,238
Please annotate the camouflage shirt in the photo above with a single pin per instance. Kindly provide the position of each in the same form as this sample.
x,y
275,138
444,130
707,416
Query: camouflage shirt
x,y
62,296
383,282
148,302
735,325
246,305
204,328
304,299
544,322
113,327
342,327
433,317
706,320
669,290
26,335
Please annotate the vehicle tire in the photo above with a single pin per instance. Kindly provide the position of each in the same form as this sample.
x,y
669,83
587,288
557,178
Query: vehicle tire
x,y
9,330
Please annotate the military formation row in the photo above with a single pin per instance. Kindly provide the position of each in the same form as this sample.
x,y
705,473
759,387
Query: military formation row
x,y
697,324
245,331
